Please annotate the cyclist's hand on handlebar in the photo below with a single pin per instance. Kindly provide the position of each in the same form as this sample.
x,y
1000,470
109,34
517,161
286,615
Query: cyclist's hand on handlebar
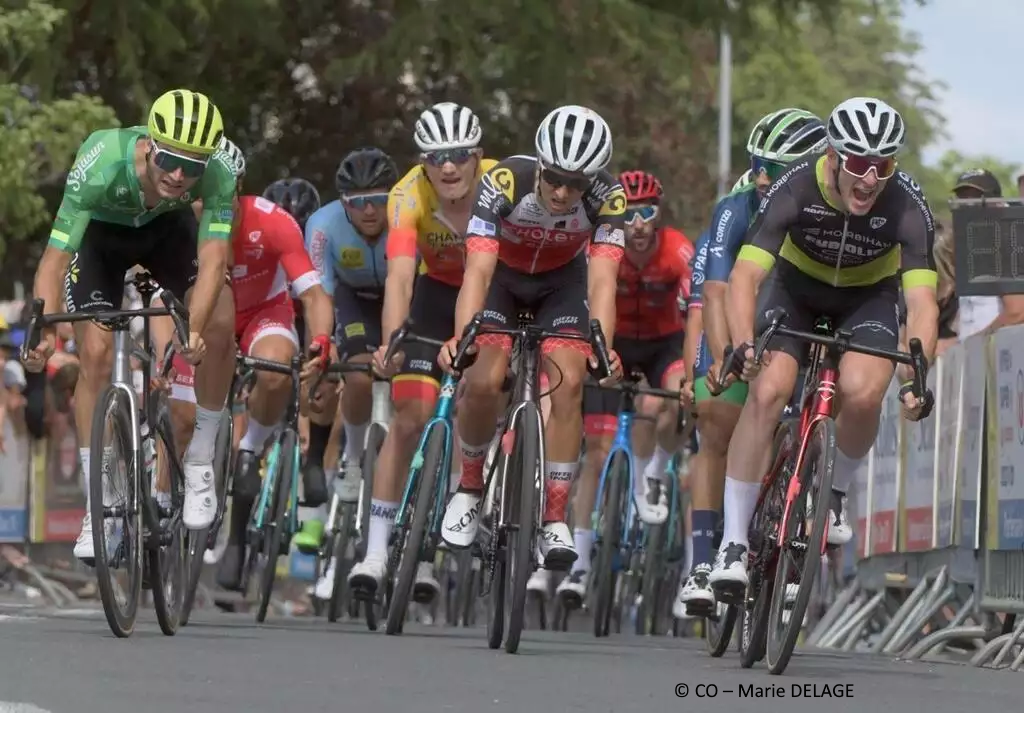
x,y
616,367
446,356
686,397
194,351
751,368
37,358
913,408
390,368
321,354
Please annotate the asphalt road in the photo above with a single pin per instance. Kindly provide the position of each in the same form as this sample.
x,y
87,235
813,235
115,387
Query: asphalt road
x,y
69,661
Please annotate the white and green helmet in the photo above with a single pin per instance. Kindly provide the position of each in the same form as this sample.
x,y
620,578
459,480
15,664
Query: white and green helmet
x,y
745,179
787,135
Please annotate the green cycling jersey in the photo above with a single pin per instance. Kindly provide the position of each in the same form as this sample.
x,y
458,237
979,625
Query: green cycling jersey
x,y
104,186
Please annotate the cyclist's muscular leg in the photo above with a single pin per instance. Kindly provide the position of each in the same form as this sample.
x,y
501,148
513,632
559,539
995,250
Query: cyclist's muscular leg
x,y
643,439
96,363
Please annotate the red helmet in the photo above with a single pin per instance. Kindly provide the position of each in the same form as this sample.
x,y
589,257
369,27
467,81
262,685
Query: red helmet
x,y
641,187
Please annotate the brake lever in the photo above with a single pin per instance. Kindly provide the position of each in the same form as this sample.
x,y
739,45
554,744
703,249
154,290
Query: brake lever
x,y
468,339
597,340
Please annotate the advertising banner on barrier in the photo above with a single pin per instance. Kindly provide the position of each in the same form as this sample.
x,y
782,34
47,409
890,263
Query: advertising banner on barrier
x,y
885,480
14,463
58,500
858,508
918,479
969,472
950,415
1006,507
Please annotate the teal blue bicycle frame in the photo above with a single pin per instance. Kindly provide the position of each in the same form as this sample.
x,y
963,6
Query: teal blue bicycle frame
x,y
268,486
442,419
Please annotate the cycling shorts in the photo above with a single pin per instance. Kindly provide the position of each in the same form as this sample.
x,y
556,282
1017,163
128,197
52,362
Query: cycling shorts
x,y
357,315
556,298
166,247
656,358
870,312
433,315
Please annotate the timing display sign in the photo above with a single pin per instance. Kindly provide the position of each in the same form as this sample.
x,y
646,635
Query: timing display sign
x,y
989,247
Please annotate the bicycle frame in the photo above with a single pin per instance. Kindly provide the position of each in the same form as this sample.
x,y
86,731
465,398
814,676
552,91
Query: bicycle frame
x,y
442,419
622,443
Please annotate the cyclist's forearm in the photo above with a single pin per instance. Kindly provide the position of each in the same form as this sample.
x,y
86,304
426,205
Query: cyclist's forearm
x,y
397,301
49,280
691,340
741,302
471,298
716,327
213,263
318,310
923,324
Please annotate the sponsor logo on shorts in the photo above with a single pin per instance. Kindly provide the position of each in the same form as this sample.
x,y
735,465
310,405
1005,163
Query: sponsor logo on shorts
x,y
354,329
565,321
423,365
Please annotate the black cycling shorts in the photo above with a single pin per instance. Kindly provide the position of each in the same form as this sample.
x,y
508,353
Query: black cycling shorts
x,y
870,312
166,247
557,299
653,357
433,315
357,315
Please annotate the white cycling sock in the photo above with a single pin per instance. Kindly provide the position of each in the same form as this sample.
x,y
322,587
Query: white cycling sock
x,y
843,471
382,518
582,539
256,436
740,501
355,440
659,464
83,457
639,476
204,437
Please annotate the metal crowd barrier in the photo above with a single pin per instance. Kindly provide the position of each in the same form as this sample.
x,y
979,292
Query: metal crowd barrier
x,y
938,553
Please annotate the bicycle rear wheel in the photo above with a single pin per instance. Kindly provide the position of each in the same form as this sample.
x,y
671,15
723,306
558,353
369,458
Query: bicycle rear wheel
x,y
119,562
405,557
168,557
341,541
273,533
647,609
614,490
521,537
374,440
800,552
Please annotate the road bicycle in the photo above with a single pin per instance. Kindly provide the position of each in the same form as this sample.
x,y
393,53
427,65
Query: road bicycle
x,y
138,542
788,529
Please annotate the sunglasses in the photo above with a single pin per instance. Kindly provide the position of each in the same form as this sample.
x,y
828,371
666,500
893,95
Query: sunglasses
x,y
646,214
170,161
456,156
557,180
859,166
359,202
772,169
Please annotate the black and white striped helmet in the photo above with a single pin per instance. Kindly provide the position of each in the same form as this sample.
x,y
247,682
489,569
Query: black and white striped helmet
x,y
866,126
574,139
447,125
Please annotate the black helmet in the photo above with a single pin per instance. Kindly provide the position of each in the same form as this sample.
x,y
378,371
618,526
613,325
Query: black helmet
x,y
366,169
296,196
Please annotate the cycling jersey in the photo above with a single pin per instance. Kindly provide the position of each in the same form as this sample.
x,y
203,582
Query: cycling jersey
x,y
103,186
268,253
798,223
510,220
417,225
729,225
646,301
700,258
340,253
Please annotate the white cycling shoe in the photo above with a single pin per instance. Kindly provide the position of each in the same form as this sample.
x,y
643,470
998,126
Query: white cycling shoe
x,y
462,519
653,510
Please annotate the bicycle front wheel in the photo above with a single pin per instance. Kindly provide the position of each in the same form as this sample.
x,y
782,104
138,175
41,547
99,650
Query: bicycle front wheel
x,y
273,533
522,537
342,537
800,553
115,510
614,490
169,557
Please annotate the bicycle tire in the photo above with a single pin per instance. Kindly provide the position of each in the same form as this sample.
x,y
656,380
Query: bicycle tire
x,y
614,489
168,564
496,596
522,537
374,440
272,543
407,557
466,583
820,451
767,514
647,610
338,594
120,620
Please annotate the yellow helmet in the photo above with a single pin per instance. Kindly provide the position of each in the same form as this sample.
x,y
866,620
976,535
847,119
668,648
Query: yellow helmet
x,y
186,119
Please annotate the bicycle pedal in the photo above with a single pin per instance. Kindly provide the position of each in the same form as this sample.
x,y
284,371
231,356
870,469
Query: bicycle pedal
x,y
702,609
728,592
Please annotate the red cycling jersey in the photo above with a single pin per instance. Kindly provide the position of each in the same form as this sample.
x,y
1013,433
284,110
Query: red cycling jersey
x,y
646,300
269,252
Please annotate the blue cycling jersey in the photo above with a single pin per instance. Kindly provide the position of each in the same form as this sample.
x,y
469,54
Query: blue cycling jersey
x,y
698,267
341,254
729,225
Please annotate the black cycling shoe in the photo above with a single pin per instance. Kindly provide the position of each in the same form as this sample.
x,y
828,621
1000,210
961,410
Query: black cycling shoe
x,y
229,572
247,481
314,485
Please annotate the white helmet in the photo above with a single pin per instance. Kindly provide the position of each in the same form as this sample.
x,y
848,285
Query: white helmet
x,y
232,156
447,125
574,139
866,126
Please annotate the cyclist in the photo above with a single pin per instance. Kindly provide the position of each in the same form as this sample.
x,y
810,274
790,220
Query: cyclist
x,y
835,231
777,140
649,337
526,249
429,212
126,202
346,240
269,258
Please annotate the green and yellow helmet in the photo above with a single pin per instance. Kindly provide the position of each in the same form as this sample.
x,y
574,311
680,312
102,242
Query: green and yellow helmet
x,y
187,120
787,135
